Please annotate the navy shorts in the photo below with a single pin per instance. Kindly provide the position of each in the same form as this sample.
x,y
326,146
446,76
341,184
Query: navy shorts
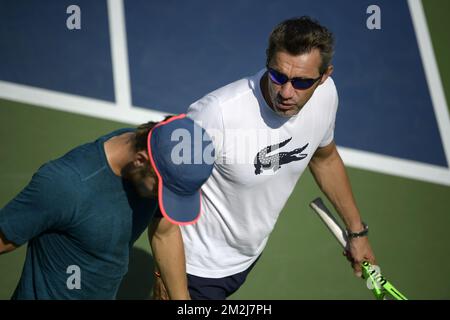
x,y
216,288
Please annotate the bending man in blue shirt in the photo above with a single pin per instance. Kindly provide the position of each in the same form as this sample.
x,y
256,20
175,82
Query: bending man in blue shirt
x,y
83,211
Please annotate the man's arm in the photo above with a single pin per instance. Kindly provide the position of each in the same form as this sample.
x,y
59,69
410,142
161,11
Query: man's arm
x,y
168,251
329,172
5,245
44,204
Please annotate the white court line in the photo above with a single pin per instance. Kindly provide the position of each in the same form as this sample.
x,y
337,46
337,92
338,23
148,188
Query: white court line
x,y
107,110
119,53
432,73
395,166
76,104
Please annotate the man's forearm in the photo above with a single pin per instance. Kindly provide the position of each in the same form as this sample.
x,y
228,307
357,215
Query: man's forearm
x,y
331,176
329,171
168,252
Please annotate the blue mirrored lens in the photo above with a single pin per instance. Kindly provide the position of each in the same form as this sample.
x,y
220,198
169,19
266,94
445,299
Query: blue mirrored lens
x,y
277,77
302,83
297,83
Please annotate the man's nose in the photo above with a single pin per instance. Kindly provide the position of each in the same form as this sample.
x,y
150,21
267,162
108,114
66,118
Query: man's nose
x,y
287,90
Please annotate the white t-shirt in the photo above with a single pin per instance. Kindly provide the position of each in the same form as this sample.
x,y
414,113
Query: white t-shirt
x,y
260,157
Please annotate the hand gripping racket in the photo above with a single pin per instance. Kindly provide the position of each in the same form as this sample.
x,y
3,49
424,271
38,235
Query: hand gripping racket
x,y
381,288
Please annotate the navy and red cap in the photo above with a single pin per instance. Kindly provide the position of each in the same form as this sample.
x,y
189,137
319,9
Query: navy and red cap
x,y
177,155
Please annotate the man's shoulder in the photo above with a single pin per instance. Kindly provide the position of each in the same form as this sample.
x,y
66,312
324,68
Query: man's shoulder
x,y
214,104
235,90
328,88
325,96
88,159
56,180
58,172
79,162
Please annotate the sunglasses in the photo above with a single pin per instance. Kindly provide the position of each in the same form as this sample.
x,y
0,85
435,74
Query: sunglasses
x,y
298,83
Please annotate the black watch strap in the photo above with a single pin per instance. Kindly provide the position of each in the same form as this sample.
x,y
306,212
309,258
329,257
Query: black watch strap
x,y
362,233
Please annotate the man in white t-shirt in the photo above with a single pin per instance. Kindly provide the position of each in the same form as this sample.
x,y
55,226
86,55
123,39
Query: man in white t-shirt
x,y
267,129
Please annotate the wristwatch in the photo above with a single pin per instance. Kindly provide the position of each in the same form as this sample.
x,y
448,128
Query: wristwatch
x,y
362,233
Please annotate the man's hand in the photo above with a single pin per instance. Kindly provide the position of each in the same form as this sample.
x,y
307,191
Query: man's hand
x,y
359,251
5,245
159,290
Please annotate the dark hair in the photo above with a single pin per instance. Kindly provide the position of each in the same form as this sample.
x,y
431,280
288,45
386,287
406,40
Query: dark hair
x,y
141,134
300,35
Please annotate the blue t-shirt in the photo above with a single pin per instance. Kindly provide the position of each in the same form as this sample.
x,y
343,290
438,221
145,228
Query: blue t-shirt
x,y
80,221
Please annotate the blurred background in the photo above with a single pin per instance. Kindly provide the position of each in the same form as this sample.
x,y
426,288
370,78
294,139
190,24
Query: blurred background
x,y
73,70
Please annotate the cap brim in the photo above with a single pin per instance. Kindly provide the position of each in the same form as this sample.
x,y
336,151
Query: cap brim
x,y
182,210
178,209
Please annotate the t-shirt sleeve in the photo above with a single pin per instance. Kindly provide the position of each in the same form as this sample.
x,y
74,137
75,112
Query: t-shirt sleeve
x,y
329,135
207,113
46,203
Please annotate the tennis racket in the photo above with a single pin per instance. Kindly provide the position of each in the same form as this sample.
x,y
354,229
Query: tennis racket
x,y
380,286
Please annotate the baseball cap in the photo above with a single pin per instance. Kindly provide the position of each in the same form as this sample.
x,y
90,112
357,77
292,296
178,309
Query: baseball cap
x,y
182,155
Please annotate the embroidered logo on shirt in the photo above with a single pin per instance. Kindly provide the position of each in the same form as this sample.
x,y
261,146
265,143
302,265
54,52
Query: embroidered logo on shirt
x,y
265,161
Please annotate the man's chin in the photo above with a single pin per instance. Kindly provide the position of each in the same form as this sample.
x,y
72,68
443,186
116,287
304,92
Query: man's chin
x,y
286,111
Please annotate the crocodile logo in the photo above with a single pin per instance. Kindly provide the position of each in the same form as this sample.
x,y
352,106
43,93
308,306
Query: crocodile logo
x,y
264,161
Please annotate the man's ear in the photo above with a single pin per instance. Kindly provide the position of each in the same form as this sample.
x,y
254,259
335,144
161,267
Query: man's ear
x,y
327,74
140,159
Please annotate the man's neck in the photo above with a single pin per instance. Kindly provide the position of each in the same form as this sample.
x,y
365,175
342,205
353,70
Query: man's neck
x,y
119,152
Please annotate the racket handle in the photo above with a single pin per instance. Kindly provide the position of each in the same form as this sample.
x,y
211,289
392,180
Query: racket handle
x,y
330,221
